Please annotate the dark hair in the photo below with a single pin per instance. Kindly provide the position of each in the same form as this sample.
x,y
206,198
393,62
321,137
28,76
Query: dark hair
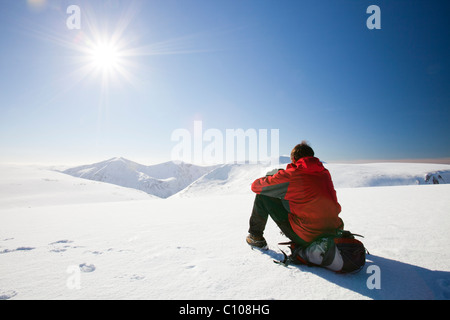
x,y
301,150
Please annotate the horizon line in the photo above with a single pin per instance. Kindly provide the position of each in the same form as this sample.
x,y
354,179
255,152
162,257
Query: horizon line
x,y
445,160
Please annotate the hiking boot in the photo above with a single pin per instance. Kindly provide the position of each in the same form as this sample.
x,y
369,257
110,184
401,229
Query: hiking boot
x,y
257,241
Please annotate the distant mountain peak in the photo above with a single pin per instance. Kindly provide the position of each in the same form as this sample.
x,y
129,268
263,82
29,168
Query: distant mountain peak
x,y
162,180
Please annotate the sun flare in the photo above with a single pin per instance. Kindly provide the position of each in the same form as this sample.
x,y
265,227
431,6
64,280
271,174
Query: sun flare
x,y
107,59
105,56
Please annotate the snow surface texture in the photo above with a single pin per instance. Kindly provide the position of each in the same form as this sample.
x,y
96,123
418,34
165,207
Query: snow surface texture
x,y
63,237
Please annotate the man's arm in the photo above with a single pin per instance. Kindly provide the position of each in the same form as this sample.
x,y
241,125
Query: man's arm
x,y
274,186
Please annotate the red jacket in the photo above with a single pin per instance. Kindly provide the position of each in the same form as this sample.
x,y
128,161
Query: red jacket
x,y
308,194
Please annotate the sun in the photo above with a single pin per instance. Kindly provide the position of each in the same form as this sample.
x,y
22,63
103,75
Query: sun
x,y
105,57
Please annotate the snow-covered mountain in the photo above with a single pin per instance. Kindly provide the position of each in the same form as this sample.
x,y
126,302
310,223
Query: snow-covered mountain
x,y
187,180
234,179
162,180
388,174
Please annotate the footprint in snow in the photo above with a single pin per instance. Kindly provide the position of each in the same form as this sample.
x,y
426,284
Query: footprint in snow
x,y
136,277
87,267
17,249
61,241
62,246
5,295
133,277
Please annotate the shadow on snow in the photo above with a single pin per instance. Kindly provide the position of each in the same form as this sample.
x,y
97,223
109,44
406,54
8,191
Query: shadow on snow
x,y
398,280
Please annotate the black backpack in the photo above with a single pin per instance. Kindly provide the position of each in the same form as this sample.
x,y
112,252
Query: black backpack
x,y
339,252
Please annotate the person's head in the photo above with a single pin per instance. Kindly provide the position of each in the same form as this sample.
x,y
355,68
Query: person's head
x,y
300,151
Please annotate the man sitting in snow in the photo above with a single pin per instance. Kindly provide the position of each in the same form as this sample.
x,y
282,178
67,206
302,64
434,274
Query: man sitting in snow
x,y
301,200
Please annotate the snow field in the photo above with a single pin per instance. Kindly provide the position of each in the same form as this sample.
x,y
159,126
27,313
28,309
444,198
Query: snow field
x,y
66,238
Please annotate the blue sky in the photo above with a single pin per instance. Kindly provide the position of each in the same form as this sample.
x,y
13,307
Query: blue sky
x,y
311,69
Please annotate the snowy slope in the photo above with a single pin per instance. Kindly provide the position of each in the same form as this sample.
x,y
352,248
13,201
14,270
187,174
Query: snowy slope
x,y
66,238
227,179
23,186
388,174
162,180
236,179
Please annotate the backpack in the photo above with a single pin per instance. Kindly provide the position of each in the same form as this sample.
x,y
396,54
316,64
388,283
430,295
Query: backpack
x,y
341,253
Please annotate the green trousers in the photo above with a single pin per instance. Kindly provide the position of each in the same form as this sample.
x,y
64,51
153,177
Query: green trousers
x,y
264,207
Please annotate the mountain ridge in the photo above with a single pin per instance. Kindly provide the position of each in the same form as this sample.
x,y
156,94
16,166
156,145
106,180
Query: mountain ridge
x,y
162,180
182,179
